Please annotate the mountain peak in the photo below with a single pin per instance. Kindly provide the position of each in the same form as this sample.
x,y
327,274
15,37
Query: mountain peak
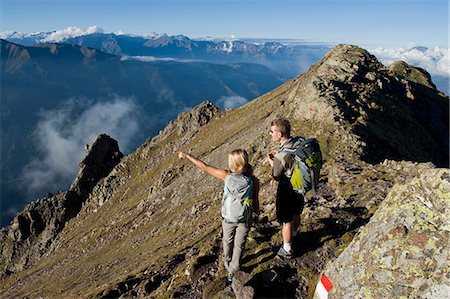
x,y
409,72
349,88
191,120
347,62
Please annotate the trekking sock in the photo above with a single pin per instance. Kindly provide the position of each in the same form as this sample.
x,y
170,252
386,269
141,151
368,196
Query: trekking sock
x,y
287,247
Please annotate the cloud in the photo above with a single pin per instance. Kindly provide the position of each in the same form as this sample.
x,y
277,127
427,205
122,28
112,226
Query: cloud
x,y
231,102
61,135
152,35
226,46
436,60
61,35
153,58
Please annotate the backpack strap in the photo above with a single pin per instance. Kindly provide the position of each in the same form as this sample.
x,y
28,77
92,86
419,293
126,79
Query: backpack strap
x,y
313,184
296,141
287,150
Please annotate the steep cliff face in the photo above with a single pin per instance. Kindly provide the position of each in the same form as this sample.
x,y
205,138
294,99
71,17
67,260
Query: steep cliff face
x,y
152,226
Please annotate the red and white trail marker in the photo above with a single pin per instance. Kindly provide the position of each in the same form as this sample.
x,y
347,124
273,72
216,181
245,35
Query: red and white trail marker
x,y
323,287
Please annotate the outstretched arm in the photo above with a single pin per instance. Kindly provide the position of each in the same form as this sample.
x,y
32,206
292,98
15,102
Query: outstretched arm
x,y
215,172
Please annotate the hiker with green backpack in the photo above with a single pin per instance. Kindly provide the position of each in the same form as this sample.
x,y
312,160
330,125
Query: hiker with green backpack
x,y
296,166
240,200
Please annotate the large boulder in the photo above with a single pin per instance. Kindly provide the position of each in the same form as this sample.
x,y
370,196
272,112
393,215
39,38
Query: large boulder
x,y
404,250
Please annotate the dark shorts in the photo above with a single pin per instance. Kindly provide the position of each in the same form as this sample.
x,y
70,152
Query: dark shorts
x,y
288,203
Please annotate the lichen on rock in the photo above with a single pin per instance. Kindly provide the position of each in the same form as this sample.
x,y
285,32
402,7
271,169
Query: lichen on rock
x,y
405,248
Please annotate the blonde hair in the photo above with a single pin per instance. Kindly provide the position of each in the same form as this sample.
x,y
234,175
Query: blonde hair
x,y
238,161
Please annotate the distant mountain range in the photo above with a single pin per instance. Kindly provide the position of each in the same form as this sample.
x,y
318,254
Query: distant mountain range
x,y
289,60
288,57
43,78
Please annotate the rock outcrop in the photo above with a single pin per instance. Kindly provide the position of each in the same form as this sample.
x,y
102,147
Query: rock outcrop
x,y
414,74
103,155
33,230
192,120
404,251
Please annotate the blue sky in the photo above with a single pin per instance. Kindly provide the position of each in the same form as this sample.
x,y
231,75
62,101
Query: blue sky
x,y
362,22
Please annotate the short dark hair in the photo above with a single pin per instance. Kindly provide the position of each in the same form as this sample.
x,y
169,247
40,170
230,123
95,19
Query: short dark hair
x,y
283,125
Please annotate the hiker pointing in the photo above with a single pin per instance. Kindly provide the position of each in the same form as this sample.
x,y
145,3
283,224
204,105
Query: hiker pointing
x,y
240,200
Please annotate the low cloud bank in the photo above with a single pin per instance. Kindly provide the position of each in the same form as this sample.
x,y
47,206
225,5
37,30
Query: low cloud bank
x,y
61,135
231,102
61,35
55,36
153,58
436,60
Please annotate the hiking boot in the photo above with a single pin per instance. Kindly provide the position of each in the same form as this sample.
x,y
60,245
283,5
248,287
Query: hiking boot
x,y
284,254
230,277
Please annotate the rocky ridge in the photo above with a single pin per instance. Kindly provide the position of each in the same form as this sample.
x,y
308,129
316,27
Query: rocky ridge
x,y
151,227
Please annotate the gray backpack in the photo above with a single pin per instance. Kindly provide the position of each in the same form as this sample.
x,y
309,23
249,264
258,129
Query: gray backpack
x,y
237,199
308,162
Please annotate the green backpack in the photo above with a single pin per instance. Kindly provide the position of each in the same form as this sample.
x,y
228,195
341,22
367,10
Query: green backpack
x,y
308,162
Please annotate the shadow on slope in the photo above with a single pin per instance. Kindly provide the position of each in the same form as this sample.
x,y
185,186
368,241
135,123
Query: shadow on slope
x,y
276,278
417,127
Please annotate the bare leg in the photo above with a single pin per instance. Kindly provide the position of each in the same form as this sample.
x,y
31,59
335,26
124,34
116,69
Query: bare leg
x,y
287,232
